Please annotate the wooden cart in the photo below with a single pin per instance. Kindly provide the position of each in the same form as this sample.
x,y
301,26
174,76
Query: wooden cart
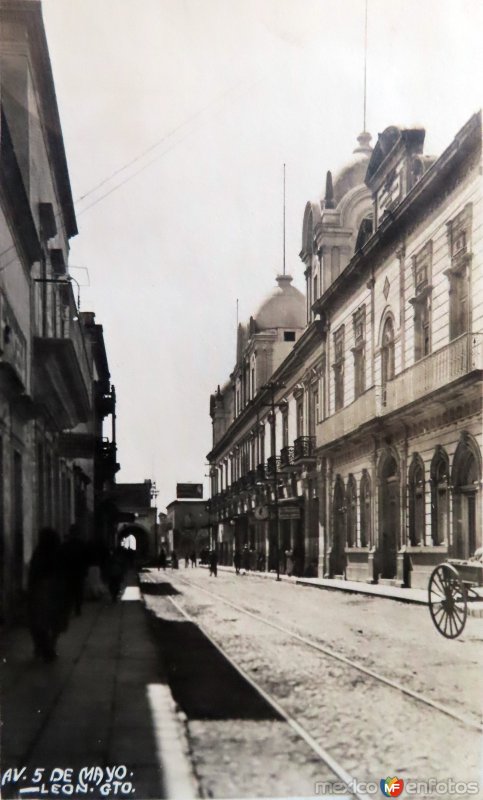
x,y
452,586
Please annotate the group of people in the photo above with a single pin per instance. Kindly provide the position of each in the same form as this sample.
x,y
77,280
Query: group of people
x,y
57,578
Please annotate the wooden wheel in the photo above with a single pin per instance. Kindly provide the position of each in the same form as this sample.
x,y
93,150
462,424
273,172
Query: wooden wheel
x,y
447,601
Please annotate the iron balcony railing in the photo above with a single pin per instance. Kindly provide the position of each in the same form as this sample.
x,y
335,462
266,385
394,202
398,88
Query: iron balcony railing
x,y
273,466
303,448
261,473
435,371
286,457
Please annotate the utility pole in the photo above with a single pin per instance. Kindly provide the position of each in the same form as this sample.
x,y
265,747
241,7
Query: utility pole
x,y
275,479
154,494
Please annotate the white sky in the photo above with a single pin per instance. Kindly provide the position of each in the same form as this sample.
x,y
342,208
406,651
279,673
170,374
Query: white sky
x,y
232,89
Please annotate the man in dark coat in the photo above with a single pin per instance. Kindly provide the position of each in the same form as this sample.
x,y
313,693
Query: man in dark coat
x,y
76,564
48,609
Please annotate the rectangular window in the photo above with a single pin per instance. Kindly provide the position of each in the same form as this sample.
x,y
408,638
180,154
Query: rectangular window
x,y
422,268
338,367
300,417
285,427
359,323
289,336
459,238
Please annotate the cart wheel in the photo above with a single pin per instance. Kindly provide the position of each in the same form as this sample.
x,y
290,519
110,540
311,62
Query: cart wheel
x,y
447,601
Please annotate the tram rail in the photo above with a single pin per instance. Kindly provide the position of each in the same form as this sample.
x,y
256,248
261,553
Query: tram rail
x,y
330,652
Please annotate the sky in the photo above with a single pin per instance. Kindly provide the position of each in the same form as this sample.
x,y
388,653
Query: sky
x,y
178,116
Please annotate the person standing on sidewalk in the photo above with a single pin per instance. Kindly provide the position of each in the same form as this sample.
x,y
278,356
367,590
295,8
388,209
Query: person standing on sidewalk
x,y
48,607
214,563
74,553
162,559
237,559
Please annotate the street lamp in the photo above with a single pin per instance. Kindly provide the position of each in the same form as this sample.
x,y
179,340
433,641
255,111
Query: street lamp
x,y
272,385
154,493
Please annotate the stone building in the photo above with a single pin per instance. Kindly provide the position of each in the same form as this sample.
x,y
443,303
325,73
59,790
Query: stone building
x,y
51,369
357,453
399,437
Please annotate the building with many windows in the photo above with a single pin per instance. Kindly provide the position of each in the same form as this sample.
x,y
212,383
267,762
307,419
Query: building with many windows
x,y
358,454
54,379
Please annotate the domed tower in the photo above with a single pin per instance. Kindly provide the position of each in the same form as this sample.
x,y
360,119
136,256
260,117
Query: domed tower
x,y
262,345
332,224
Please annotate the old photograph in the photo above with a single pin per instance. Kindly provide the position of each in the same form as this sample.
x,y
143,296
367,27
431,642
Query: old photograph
x,y
241,362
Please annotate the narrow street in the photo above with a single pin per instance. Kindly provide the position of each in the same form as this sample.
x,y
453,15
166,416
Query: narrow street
x,y
369,728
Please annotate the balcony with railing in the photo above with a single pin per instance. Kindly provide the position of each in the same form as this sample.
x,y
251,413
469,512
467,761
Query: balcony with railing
x,y
273,466
286,457
107,459
261,476
62,373
435,371
304,449
350,418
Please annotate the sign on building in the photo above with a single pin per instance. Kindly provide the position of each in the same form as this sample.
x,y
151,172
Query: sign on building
x,y
186,491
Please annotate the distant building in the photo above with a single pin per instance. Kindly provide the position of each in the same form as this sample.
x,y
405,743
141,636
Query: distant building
x,y
50,366
186,527
357,451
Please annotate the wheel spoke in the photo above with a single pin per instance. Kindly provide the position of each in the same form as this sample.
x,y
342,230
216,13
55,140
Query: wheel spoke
x,y
446,617
451,625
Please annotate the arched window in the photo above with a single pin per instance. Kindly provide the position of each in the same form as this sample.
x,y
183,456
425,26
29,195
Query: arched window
x,y
365,510
416,501
387,354
351,504
440,497
466,479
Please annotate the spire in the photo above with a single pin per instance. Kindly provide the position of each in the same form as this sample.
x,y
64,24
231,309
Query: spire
x,y
364,140
329,191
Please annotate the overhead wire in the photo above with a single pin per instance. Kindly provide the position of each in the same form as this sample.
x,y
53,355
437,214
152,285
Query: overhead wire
x,y
137,158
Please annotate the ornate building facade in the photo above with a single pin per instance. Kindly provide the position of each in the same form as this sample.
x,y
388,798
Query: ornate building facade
x,y
358,451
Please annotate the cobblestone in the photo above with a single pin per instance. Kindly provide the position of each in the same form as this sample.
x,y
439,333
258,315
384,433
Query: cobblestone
x,y
368,727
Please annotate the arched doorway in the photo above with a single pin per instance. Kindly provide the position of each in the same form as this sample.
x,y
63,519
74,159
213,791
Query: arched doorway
x,y
389,515
141,536
466,477
338,558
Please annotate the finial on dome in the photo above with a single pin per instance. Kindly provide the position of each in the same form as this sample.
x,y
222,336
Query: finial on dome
x,y
284,280
329,191
364,139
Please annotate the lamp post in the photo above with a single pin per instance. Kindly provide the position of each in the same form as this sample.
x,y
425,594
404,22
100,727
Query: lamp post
x,y
154,493
272,385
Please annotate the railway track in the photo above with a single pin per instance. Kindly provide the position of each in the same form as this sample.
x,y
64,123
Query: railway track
x,y
327,651
325,757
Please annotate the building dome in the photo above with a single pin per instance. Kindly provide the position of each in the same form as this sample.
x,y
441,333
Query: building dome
x,y
352,174
284,308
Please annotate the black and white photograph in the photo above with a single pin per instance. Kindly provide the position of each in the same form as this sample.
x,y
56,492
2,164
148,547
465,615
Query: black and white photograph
x,y
241,369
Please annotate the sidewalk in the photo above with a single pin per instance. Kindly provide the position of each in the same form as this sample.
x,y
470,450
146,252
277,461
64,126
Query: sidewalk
x,y
103,703
418,596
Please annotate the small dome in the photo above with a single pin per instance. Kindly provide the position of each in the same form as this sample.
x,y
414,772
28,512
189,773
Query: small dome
x,y
353,173
284,307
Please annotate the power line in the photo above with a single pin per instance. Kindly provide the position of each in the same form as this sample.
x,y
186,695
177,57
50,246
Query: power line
x,y
137,158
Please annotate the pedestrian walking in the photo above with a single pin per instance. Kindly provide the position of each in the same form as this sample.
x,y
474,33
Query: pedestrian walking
x,y
237,560
48,608
117,568
162,559
174,560
214,563
186,561
74,553
193,558
289,562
